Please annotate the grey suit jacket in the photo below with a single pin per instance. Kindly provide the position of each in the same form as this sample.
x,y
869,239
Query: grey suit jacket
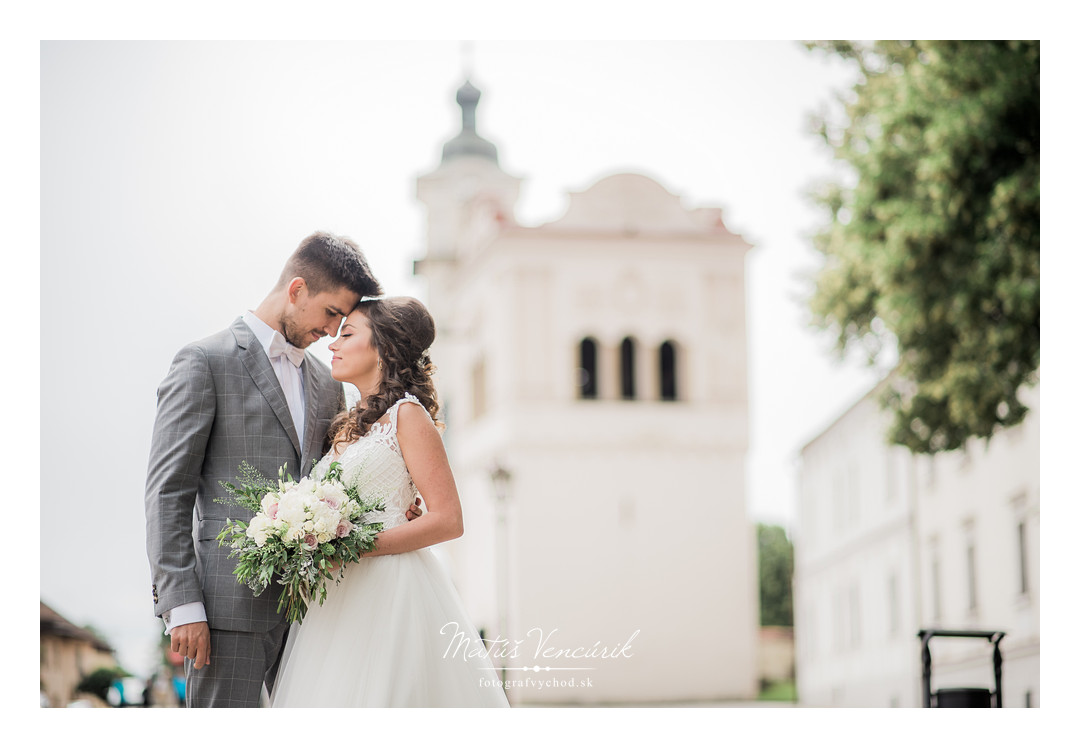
x,y
221,404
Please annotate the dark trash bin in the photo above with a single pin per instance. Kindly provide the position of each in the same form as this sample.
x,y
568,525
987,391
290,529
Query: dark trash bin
x,y
963,698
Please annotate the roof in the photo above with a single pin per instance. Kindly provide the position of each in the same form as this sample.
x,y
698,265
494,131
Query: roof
x,y
54,624
874,391
468,142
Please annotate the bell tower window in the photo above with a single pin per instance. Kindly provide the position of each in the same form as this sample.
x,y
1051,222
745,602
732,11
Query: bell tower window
x,y
626,361
587,374
668,371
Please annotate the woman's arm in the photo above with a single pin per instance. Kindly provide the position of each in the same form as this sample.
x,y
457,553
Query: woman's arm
x,y
425,457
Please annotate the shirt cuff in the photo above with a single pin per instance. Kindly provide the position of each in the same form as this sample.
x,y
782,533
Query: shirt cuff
x,y
182,614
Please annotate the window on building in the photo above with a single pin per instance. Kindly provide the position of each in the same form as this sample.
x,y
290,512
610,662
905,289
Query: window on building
x,y
838,621
855,611
894,604
890,476
853,492
587,373
838,494
970,554
1021,528
479,389
935,582
668,371
626,368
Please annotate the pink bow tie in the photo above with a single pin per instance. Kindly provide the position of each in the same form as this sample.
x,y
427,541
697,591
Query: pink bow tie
x,y
278,347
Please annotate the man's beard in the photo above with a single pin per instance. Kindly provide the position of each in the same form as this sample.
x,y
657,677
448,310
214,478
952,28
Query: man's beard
x,y
294,336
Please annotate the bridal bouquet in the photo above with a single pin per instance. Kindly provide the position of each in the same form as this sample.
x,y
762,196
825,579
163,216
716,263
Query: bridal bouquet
x,y
299,531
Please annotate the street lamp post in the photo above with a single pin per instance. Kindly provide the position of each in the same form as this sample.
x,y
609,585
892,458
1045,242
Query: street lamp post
x,y
500,479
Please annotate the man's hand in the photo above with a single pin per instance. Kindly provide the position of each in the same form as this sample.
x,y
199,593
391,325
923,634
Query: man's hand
x,y
414,510
192,640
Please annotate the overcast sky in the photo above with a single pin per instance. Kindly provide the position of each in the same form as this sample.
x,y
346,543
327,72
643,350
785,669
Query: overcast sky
x,y
177,177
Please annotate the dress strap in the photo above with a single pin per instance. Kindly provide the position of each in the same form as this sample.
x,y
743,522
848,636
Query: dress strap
x,y
394,409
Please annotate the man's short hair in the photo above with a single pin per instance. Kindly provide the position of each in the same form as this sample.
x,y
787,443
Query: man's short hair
x,y
327,262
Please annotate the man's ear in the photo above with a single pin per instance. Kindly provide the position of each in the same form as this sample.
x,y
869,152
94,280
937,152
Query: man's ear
x,y
296,285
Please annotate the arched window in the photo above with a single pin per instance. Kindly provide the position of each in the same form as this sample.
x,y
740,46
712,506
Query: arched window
x,y
587,374
626,367
668,371
479,389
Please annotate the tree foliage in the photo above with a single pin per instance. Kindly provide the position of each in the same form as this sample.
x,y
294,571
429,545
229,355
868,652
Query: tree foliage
x,y
776,564
98,682
935,247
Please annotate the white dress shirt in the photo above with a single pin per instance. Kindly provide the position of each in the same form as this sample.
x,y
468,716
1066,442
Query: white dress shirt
x,y
289,373
291,377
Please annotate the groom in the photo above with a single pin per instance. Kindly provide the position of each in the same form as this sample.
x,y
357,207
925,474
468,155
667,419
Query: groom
x,y
249,393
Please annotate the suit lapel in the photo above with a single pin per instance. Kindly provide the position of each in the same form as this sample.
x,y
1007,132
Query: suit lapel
x,y
312,387
258,366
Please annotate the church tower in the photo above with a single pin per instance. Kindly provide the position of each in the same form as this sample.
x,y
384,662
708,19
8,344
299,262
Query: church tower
x,y
467,189
592,372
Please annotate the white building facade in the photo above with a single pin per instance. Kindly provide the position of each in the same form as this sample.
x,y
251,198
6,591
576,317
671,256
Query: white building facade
x,y
888,543
600,361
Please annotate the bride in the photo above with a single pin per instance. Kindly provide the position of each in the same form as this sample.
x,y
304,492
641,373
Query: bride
x,y
382,637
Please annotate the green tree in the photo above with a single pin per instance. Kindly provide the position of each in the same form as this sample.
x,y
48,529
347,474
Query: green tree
x,y
933,246
164,648
776,564
98,682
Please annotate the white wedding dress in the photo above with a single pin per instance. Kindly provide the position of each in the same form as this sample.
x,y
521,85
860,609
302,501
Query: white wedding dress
x,y
394,632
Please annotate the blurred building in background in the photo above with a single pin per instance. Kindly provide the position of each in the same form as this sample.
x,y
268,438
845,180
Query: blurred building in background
x,y
888,543
68,654
593,379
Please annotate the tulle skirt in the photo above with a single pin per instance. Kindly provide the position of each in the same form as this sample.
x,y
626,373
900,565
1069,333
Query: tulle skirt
x,y
393,633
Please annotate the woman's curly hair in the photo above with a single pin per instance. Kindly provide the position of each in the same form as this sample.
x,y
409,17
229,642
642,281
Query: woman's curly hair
x,y
402,330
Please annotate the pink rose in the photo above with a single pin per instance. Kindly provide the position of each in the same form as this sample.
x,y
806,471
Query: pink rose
x,y
311,542
271,510
344,528
332,502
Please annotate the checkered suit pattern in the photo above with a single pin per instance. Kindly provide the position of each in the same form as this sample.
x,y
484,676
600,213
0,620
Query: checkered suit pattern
x,y
220,405
240,662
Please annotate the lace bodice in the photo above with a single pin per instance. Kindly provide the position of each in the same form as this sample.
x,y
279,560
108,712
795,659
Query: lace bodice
x,y
374,464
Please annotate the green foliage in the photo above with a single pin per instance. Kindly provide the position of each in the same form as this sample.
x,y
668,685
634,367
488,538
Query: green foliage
x,y
97,683
776,564
164,647
778,691
935,248
253,487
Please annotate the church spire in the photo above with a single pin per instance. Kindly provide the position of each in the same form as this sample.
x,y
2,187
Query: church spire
x,y
467,142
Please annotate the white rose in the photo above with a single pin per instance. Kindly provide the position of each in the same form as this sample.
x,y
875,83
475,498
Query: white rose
x,y
259,529
332,494
291,515
270,505
324,517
